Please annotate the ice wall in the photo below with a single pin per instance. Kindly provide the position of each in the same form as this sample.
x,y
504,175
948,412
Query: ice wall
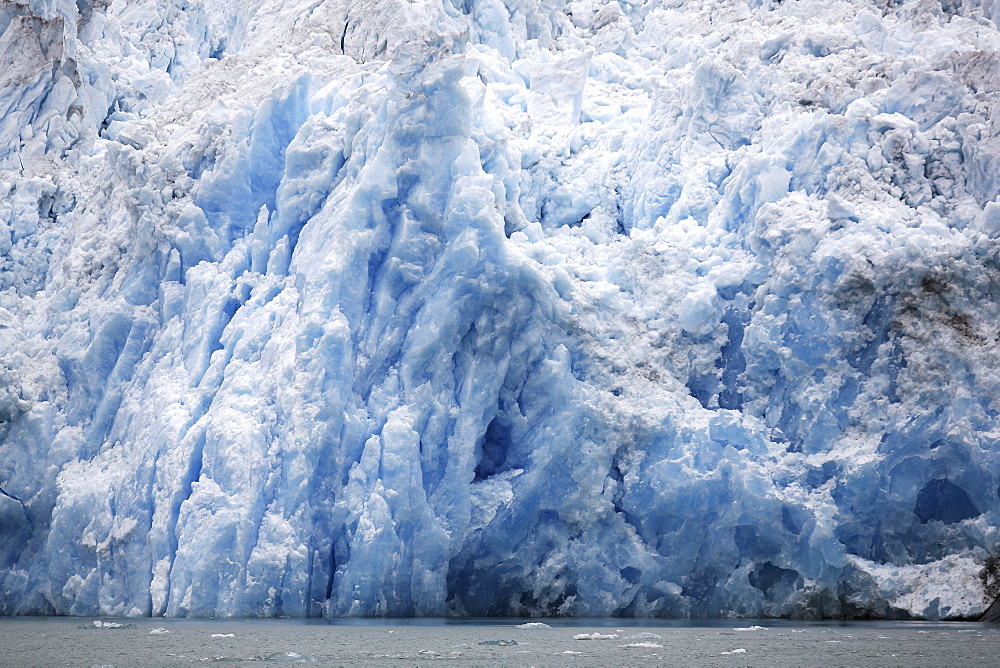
x,y
499,307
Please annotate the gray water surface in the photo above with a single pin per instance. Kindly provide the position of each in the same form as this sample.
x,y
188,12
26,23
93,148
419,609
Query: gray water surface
x,y
55,641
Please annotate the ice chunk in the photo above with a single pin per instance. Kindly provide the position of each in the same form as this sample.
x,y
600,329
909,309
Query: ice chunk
x,y
291,657
595,636
697,310
533,625
556,90
99,624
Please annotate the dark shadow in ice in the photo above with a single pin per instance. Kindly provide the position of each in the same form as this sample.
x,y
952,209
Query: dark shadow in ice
x,y
945,501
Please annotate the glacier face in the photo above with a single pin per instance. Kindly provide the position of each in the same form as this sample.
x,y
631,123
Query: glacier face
x,y
479,307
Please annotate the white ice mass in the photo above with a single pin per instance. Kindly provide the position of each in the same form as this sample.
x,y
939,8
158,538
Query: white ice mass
x,y
499,307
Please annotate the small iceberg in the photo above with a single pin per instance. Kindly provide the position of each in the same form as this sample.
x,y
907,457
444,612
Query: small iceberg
x,y
739,650
502,643
751,628
643,635
158,632
223,635
595,636
533,625
643,645
98,624
291,657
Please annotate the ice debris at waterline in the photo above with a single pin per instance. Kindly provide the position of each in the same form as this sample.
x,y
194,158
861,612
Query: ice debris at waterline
x,y
98,624
499,307
289,657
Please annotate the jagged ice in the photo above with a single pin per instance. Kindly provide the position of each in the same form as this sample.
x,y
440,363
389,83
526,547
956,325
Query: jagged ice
x,y
499,307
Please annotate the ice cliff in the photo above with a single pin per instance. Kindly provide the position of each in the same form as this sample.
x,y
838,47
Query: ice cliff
x,y
499,307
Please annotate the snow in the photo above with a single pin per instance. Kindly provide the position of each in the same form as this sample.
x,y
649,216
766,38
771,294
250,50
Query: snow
x,y
498,307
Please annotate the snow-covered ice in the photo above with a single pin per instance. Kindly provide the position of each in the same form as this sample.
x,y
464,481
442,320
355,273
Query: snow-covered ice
x,y
499,307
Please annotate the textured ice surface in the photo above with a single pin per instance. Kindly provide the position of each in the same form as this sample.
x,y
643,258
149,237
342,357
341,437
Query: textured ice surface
x,y
98,624
510,307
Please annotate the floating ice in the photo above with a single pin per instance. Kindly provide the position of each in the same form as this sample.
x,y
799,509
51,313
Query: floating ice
x,y
642,645
643,635
290,657
739,650
595,636
750,628
501,643
533,625
99,624
158,632
223,635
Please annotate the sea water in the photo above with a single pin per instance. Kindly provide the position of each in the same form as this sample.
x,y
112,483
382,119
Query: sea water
x,y
552,642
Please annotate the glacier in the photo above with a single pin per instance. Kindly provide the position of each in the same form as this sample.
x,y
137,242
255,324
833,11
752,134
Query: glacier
x,y
500,307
